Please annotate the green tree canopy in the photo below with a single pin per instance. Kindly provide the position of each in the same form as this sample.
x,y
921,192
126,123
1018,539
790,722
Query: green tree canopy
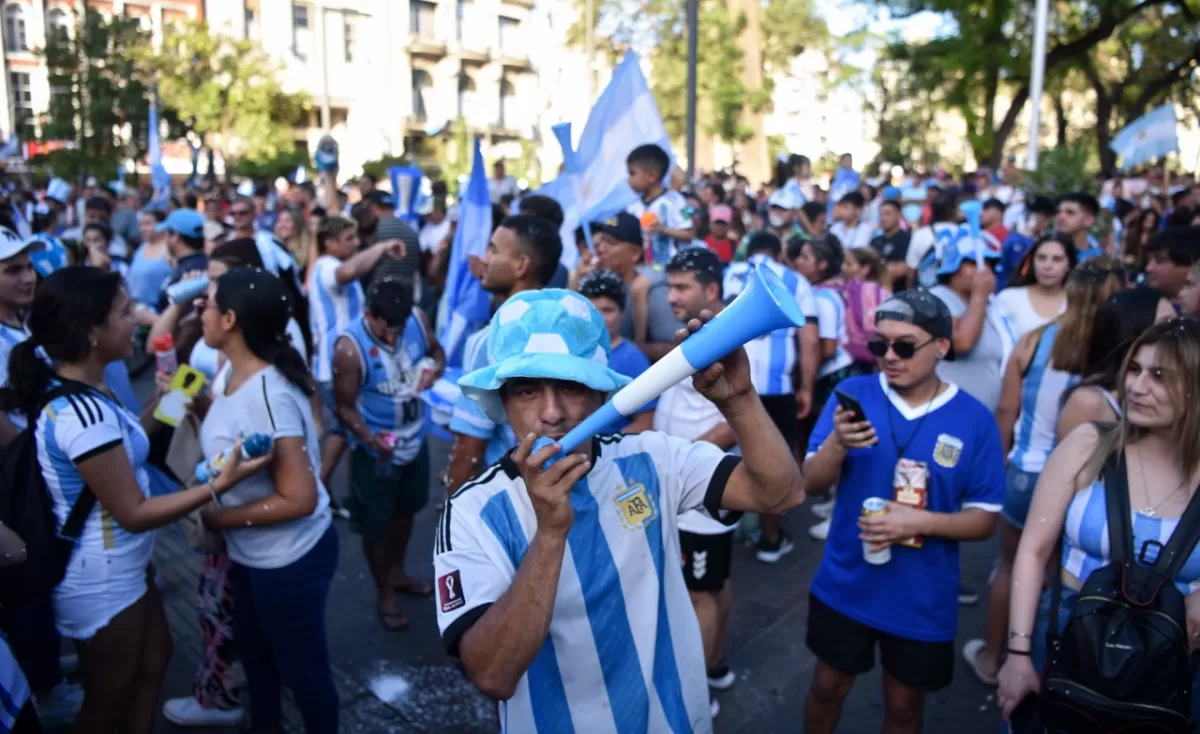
x,y
227,91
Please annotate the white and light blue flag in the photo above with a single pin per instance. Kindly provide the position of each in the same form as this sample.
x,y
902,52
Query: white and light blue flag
x,y
1151,136
624,117
160,180
466,301
844,181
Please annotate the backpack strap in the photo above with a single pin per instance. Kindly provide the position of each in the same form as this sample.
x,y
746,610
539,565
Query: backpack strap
x,y
86,500
1116,495
1182,542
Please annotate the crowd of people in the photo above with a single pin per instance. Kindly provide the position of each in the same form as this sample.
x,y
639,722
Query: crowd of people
x,y
954,374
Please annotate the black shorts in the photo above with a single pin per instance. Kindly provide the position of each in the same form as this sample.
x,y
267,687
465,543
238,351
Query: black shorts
x,y
782,409
848,647
706,560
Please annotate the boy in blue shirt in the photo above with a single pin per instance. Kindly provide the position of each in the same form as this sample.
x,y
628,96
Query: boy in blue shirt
x,y
606,291
936,450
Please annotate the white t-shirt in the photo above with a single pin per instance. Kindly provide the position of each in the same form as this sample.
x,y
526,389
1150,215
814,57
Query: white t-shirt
x,y
208,360
432,235
670,209
608,663
265,403
857,236
1018,308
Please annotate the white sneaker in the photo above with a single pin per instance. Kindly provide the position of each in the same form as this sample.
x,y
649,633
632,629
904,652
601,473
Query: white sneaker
x,y
823,510
721,678
60,708
820,531
715,707
187,711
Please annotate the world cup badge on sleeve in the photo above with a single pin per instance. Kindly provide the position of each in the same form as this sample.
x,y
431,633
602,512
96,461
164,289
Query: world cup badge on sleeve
x,y
636,507
947,450
450,591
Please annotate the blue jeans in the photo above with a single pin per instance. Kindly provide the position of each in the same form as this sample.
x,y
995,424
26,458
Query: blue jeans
x,y
1018,495
279,629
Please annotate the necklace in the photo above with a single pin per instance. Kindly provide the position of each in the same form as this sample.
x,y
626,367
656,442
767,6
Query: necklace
x,y
1152,510
900,449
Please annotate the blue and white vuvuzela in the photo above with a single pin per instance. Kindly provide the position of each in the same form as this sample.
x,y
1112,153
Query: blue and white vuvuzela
x,y
764,306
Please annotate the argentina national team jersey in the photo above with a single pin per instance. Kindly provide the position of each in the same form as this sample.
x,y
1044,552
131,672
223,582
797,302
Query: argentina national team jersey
x,y
1036,431
623,652
335,306
831,325
468,418
772,355
387,398
10,336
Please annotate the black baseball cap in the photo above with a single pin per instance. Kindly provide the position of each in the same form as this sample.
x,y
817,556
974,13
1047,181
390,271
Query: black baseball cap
x,y
921,309
382,198
623,226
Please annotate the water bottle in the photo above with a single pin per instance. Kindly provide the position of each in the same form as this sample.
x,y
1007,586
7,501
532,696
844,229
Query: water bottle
x,y
187,290
253,446
164,354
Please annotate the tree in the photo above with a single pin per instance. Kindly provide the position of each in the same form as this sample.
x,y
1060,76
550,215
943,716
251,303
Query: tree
x,y
227,91
98,106
988,58
282,165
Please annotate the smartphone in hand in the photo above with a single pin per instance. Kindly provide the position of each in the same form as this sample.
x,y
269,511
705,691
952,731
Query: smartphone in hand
x,y
851,405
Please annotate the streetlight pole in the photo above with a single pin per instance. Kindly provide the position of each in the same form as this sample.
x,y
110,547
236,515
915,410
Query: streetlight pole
x,y
1036,81
591,65
693,23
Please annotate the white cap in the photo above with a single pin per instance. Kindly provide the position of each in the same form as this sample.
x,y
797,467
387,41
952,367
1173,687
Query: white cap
x,y
12,245
784,199
58,190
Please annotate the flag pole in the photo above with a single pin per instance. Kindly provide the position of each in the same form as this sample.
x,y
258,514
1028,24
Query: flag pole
x,y
1036,81
693,22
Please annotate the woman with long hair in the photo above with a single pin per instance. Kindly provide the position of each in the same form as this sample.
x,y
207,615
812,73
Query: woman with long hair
x,y
151,268
1158,438
1044,364
277,523
865,284
1036,293
91,449
291,227
1142,226
1119,321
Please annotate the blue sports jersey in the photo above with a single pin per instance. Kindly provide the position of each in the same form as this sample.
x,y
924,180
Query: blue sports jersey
x,y
387,396
468,418
773,355
333,306
915,595
1011,253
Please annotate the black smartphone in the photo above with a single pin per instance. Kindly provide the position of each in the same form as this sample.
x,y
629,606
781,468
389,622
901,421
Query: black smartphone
x,y
850,404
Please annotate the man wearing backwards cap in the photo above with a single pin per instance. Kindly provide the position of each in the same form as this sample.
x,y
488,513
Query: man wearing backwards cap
x,y
933,452
560,587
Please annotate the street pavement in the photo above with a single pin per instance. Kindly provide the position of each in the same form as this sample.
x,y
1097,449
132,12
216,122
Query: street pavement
x,y
404,682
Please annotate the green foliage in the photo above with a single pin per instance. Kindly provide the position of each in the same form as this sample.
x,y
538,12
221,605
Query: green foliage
x,y
453,151
284,164
227,91
1062,170
379,167
94,94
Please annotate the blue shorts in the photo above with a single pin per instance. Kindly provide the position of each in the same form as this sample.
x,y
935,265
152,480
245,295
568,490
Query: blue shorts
x,y
329,419
1018,495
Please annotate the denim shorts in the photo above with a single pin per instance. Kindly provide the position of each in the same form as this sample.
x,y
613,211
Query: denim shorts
x,y
1018,495
329,419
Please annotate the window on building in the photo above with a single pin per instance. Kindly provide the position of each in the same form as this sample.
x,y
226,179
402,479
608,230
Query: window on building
x,y
466,93
348,36
421,18
22,100
508,104
509,30
14,29
422,83
301,31
58,24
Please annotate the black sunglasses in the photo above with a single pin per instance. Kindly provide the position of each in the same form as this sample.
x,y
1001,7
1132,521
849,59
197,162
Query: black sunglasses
x,y
903,350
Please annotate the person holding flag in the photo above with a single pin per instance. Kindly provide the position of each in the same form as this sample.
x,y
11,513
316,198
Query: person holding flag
x,y
845,179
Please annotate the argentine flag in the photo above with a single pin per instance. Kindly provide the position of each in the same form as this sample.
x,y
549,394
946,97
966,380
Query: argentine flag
x,y
466,301
160,180
624,117
1150,136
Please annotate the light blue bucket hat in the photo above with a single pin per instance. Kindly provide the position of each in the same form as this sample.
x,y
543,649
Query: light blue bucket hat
x,y
964,247
551,334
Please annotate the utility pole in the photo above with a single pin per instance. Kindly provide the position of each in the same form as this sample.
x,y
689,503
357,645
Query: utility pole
x,y
1036,81
693,23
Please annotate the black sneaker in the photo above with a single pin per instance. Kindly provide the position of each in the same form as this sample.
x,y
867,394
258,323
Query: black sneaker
x,y
721,677
771,553
967,596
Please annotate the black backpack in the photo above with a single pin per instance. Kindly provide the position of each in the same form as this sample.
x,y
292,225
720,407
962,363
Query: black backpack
x,y
25,507
1122,662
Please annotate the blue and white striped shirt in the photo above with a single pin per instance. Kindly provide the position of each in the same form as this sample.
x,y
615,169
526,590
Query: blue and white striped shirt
x,y
468,418
334,307
387,398
1036,432
831,324
623,653
772,356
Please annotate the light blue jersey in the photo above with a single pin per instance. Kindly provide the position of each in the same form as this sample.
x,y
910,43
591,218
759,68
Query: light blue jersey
x,y
831,325
468,418
623,653
773,355
332,307
387,396
1036,432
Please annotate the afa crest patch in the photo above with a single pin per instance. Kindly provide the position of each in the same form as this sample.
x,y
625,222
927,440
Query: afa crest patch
x,y
636,507
947,450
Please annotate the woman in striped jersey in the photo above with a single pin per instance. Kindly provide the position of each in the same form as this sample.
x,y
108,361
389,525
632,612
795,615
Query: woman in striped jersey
x,y
1045,363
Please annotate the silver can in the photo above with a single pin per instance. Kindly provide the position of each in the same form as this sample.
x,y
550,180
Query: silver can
x,y
875,506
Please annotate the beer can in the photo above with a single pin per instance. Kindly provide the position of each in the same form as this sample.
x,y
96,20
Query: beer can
x,y
875,506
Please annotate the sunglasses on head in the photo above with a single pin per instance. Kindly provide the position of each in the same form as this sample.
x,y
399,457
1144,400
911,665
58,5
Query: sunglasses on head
x,y
903,350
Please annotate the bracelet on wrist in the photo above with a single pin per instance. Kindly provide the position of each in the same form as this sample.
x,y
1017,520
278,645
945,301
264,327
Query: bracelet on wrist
x,y
212,491
1021,653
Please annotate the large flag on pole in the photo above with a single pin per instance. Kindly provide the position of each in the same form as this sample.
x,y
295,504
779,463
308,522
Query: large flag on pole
x,y
624,117
160,180
1150,136
466,301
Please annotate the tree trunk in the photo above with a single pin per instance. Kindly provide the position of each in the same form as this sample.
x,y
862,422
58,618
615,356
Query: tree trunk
x,y
1060,116
1104,110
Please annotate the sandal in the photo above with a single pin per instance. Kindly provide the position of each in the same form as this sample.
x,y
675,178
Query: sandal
x,y
393,621
971,652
